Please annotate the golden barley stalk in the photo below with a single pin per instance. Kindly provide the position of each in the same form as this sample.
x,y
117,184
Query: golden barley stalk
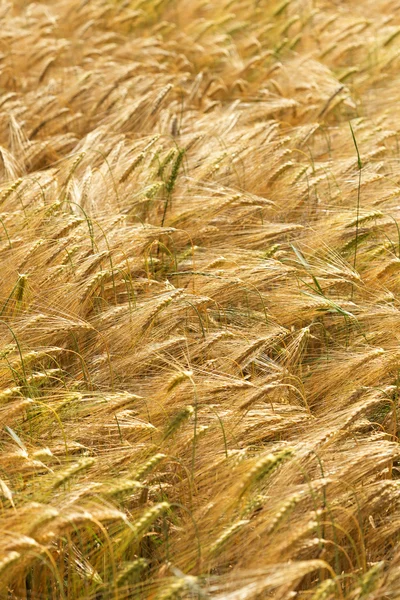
x,y
148,466
264,466
139,159
162,94
64,476
139,527
227,535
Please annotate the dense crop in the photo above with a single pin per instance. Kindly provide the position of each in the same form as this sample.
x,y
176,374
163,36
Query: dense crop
x,y
199,312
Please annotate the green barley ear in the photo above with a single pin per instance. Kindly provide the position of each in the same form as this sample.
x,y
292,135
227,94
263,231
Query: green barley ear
x,y
148,466
166,160
369,579
177,421
120,487
131,569
271,251
264,467
281,7
152,190
140,526
324,590
227,535
174,591
18,292
169,186
63,477
180,588
21,287
370,216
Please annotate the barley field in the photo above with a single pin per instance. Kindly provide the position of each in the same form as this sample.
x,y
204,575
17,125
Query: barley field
x,y
199,311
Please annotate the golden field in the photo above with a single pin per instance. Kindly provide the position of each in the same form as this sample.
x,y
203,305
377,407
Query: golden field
x,y
199,311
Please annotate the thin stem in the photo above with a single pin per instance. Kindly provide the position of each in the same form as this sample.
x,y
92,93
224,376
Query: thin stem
x,y
359,164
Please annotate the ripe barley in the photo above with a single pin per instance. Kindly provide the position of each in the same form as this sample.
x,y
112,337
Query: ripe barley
x,y
131,568
227,535
285,509
139,159
64,476
7,193
210,410
177,379
263,467
92,284
138,528
30,252
9,559
160,305
162,94
148,466
67,227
